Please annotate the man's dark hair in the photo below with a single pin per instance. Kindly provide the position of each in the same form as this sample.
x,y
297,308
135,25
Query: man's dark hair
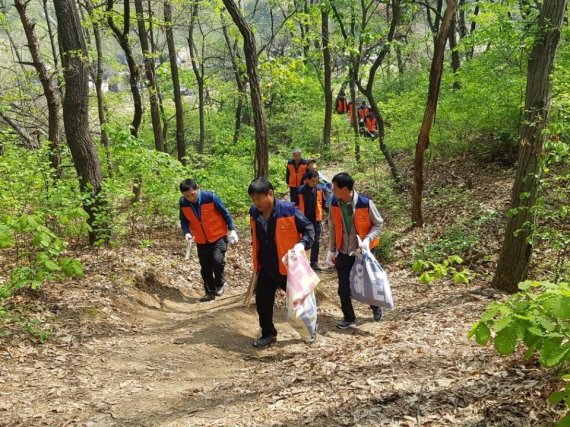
x,y
259,186
311,174
312,161
188,184
343,180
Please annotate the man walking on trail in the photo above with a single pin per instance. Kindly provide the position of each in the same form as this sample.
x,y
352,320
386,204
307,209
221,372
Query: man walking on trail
x,y
276,227
205,220
351,215
296,168
311,200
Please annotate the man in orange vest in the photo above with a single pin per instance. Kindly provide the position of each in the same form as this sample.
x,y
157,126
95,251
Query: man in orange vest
x,y
351,215
296,168
205,220
371,124
276,227
311,200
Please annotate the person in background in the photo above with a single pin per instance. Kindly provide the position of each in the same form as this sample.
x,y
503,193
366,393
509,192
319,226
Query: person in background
x,y
205,220
312,203
325,184
351,215
296,168
276,227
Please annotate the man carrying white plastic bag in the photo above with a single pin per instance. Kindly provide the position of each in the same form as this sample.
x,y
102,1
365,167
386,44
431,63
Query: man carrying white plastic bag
x,y
301,301
369,282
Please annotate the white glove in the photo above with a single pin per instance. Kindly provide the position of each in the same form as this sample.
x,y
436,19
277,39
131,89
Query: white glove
x,y
299,247
188,237
365,244
233,239
331,258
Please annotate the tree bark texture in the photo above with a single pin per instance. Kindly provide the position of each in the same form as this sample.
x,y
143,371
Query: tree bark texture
x,y
150,78
122,37
180,142
198,68
49,88
261,167
76,109
429,113
517,246
327,80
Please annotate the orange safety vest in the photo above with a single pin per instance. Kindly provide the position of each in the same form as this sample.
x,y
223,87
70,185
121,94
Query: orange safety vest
x,y
371,123
319,207
341,105
363,112
211,226
296,176
349,112
361,219
286,235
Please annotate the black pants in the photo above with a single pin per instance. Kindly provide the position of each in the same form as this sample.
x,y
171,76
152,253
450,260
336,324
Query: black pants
x,y
264,300
343,266
212,258
316,243
292,193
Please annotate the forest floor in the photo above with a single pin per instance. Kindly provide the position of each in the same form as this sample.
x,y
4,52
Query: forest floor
x,y
130,344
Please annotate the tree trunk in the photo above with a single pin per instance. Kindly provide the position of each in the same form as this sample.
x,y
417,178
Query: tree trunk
x,y
455,56
429,114
327,80
239,77
122,37
198,68
51,36
180,143
50,90
261,167
99,86
517,246
368,92
150,78
76,111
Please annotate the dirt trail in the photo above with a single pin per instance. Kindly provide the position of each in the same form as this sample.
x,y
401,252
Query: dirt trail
x,y
152,355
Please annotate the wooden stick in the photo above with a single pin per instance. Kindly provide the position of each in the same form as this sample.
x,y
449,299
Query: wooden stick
x,y
250,290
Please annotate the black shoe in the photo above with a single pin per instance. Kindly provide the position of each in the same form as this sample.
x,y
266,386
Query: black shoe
x,y
316,267
263,342
344,324
220,290
377,313
208,297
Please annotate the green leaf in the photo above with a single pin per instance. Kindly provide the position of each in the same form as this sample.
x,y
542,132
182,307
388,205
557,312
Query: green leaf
x,y
5,240
460,277
71,268
556,397
558,306
546,323
482,334
564,421
455,259
417,266
492,311
426,278
556,355
550,351
51,266
506,340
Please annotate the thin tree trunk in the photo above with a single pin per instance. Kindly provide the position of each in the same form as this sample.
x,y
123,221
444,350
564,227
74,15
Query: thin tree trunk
x,y
455,56
50,91
150,78
240,80
261,167
198,69
327,79
429,114
180,143
99,87
51,36
517,246
122,37
76,112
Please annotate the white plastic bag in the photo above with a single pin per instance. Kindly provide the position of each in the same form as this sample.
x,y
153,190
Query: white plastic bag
x,y
369,282
301,301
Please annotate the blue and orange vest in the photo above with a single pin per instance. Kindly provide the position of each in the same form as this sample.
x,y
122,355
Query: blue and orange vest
x,y
286,235
211,226
296,176
318,208
361,219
